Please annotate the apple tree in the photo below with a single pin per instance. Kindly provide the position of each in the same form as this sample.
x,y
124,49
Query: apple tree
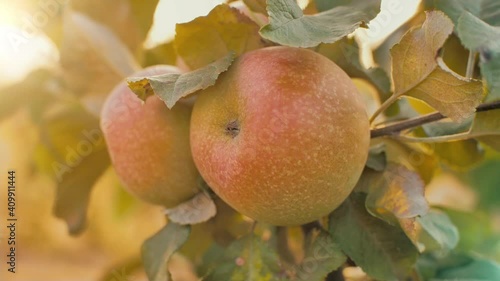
x,y
431,109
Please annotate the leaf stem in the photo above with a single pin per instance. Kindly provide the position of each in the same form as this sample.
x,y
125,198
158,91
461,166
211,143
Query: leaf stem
x,y
384,106
471,62
395,128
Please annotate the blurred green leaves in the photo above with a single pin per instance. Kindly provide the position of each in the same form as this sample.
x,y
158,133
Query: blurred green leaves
x,y
487,10
457,266
486,181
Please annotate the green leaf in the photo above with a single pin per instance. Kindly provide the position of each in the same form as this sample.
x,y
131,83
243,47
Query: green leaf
x,y
209,38
73,152
322,256
490,69
323,5
289,26
417,72
452,95
172,87
455,8
432,231
397,192
478,36
248,258
94,60
158,249
198,209
487,10
381,250
457,267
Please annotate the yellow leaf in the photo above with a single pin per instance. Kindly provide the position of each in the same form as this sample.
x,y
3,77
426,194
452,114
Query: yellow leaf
x,y
206,39
414,57
130,20
417,72
452,95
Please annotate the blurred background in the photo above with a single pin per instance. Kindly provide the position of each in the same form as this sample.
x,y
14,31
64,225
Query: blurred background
x,y
36,41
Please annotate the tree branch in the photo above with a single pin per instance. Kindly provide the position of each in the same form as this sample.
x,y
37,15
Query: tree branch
x,y
421,120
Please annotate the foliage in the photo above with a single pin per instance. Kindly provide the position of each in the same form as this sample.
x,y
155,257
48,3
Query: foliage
x,y
386,227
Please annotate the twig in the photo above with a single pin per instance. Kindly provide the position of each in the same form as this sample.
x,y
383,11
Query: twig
x,y
421,120
384,106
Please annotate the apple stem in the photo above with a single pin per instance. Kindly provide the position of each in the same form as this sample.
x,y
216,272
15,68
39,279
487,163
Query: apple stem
x,y
396,128
392,99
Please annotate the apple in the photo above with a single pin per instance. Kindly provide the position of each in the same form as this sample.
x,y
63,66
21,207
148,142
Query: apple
x,y
149,144
282,136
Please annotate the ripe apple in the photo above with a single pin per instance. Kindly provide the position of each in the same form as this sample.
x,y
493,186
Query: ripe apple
x,y
149,144
282,136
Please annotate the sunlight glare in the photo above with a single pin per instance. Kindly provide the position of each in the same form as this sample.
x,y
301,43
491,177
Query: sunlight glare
x,y
169,12
17,61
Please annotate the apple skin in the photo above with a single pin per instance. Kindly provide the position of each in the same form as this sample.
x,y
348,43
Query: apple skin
x,y
149,144
282,136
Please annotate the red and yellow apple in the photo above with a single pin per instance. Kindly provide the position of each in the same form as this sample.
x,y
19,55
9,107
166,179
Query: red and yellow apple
x,y
149,144
282,136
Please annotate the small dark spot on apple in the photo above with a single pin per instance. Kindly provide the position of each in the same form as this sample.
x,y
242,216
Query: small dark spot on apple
x,y
233,128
